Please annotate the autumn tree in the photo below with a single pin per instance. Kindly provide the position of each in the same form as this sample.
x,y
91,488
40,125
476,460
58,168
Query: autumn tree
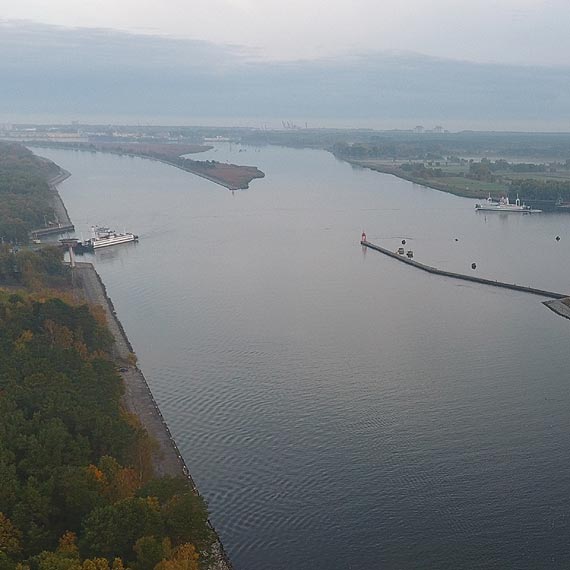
x,y
77,487
10,537
184,557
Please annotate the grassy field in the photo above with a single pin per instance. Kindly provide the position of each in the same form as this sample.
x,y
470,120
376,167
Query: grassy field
x,y
558,175
458,184
454,177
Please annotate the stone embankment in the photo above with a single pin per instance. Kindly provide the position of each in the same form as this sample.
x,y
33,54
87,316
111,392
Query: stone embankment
x,y
560,307
63,223
138,398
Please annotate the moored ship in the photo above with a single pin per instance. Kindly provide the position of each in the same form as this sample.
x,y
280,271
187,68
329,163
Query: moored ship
x,y
503,205
105,237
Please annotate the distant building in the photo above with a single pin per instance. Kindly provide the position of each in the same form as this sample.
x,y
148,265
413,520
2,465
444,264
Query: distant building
x,y
418,129
438,129
217,138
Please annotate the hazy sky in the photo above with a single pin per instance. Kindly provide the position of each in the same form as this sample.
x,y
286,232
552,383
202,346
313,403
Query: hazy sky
x,y
55,74
501,31
499,64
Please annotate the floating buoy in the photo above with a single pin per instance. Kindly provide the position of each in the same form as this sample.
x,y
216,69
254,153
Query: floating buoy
x,y
473,266
557,238
403,242
456,239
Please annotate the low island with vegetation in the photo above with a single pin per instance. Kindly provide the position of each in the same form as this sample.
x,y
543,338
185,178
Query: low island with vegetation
x,y
231,176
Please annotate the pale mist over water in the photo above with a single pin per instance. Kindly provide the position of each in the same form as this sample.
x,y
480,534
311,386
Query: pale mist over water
x,y
339,410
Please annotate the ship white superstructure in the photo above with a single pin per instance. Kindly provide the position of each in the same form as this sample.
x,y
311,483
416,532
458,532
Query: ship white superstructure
x,y
104,237
503,205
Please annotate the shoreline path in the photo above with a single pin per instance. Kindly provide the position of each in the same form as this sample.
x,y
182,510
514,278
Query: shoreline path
x,y
138,398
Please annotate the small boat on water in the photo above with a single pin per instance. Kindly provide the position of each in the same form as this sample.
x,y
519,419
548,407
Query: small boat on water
x,y
105,237
503,205
561,205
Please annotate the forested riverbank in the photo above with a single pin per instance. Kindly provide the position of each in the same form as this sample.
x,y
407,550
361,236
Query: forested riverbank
x,y
25,196
82,480
78,481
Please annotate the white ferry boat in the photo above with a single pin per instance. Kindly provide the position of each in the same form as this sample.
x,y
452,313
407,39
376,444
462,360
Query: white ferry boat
x,y
104,237
503,205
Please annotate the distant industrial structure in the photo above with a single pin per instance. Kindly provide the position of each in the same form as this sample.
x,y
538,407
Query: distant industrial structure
x,y
438,129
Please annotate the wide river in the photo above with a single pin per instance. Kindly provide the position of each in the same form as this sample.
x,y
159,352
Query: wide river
x,y
337,409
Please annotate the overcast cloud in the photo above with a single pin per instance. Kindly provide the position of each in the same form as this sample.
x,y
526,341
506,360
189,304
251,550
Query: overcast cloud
x,y
502,31
59,74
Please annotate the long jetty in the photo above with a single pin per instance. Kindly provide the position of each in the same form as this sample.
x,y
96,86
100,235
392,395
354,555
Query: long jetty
x,y
461,276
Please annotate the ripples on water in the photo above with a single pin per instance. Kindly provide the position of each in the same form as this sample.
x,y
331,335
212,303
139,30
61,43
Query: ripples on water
x,y
338,410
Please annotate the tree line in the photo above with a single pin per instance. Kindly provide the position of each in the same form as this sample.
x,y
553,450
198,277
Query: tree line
x,y
25,197
532,189
78,490
39,269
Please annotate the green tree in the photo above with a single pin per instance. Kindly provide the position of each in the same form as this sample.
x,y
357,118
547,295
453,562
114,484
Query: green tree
x,y
150,550
186,520
112,531
164,488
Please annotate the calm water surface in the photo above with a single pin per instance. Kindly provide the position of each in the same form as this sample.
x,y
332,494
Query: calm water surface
x,y
340,410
